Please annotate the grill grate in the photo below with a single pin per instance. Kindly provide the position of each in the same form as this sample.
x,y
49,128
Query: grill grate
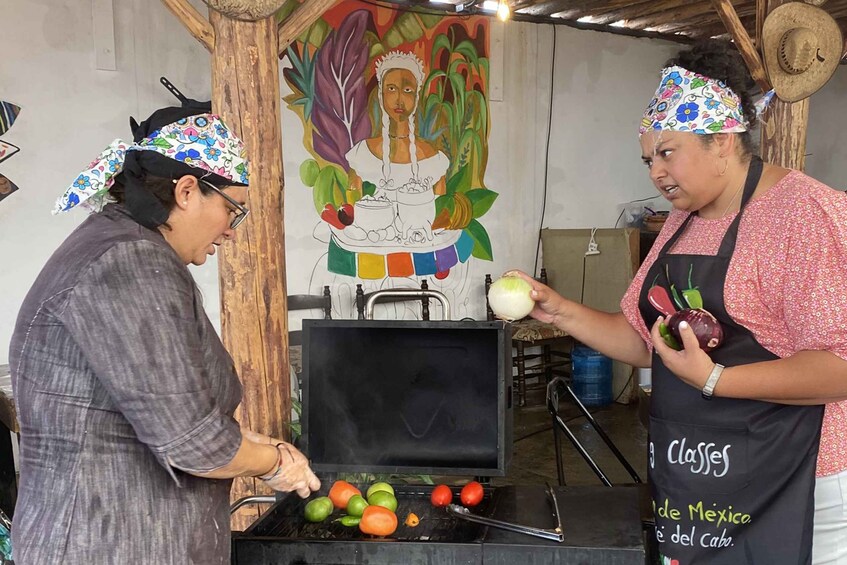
x,y
285,520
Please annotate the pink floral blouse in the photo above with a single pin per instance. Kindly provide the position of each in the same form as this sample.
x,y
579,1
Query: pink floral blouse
x,y
786,280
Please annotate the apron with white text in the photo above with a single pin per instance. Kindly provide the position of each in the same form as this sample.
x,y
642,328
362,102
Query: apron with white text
x,y
732,480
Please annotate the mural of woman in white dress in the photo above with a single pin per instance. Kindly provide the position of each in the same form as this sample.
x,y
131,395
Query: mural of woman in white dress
x,y
396,121
408,172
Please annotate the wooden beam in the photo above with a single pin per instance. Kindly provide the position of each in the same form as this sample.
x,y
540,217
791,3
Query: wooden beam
x,y
784,127
743,42
300,20
546,8
685,40
641,10
601,10
709,25
761,12
194,22
688,12
254,308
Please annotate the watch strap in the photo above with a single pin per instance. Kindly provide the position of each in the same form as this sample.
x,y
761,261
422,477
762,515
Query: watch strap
x,y
712,381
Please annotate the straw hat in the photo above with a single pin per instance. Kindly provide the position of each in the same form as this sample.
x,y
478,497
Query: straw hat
x,y
801,45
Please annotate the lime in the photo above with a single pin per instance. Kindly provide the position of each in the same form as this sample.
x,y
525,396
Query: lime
x,y
318,510
356,505
309,170
384,499
376,487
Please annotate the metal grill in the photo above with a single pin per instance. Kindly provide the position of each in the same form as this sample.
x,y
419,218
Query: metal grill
x,y
285,520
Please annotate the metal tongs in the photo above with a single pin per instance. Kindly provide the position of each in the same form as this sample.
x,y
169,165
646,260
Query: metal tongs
x,y
554,534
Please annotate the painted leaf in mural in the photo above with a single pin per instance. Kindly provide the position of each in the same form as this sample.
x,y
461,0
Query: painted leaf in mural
x,y
7,187
301,76
8,113
339,110
7,150
481,200
482,243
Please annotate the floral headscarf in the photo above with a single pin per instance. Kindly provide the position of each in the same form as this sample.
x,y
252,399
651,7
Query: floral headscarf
x,y
202,142
687,101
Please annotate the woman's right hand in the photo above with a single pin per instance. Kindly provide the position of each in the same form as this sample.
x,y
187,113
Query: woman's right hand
x,y
548,303
294,474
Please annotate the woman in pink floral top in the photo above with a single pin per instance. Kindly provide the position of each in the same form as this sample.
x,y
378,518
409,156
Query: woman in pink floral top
x,y
764,249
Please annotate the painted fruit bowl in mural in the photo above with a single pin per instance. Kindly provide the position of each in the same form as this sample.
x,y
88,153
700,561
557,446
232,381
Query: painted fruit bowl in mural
x,y
372,214
440,240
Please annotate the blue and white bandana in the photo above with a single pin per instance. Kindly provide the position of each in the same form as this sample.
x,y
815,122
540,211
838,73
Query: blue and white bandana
x,y
202,141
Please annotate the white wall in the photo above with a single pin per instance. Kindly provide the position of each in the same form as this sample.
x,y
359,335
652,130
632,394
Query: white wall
x,y
71,111
826,144
603,84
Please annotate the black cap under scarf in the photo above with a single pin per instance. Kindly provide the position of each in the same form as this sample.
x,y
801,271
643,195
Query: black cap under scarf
x,y
141,204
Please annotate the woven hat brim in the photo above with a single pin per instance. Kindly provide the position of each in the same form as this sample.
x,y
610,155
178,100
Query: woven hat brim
x,y
792,88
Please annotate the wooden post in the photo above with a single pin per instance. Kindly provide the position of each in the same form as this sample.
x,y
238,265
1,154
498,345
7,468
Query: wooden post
x,y
761,12
784,127
733,24
254,309
254,312
784,133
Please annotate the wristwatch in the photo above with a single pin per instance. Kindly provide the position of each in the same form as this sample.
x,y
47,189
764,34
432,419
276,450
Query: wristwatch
x,y
712,381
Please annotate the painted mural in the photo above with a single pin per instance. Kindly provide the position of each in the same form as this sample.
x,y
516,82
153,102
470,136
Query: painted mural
x,y
396,121
8,114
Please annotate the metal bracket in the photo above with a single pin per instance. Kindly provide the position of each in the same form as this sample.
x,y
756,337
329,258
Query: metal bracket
x,y
553,408
255,499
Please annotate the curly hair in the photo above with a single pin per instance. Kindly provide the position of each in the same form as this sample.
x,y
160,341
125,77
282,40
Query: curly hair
x,y
720,60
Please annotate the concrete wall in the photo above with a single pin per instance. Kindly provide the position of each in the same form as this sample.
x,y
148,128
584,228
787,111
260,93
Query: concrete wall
x,y
72,110
826,145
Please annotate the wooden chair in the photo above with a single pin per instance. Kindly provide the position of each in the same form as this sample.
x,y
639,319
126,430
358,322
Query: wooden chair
x,y
362,298
528,333
308,302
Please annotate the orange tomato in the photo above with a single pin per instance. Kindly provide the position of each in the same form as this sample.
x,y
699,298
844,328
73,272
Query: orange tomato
x,y
341,492
412,520
378,521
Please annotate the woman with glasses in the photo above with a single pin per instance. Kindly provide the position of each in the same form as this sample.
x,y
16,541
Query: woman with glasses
x,y
125,394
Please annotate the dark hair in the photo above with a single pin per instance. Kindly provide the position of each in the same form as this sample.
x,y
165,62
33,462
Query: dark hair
x,y
720,60
162,190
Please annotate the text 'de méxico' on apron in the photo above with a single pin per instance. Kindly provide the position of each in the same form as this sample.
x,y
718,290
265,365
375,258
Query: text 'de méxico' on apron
x,y
732,480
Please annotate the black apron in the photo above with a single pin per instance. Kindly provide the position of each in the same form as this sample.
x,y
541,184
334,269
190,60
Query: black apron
x,y
732,480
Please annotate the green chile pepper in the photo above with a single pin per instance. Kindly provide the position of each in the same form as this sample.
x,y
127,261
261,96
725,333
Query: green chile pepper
x,y
348,521
669,339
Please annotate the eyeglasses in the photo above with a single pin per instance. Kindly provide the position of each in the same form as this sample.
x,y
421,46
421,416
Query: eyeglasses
x,y
240,210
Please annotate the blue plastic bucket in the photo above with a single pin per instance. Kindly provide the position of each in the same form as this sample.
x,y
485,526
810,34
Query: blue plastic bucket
x,y
591,376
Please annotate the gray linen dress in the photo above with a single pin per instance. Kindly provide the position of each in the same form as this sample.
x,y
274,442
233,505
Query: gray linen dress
x,y
121,384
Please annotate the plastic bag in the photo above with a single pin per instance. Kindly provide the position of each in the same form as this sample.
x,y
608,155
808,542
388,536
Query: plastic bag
x,y
5,539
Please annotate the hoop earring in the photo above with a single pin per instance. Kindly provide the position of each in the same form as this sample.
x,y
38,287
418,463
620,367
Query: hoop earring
x,y
725,167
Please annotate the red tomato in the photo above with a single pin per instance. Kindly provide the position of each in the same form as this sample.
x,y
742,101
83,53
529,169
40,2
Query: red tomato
x,y
441,496
472,494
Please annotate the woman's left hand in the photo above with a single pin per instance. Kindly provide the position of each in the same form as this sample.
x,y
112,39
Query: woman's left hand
x,y
692,365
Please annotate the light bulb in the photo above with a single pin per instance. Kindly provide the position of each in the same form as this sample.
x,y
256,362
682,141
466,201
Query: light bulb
x,y
503,11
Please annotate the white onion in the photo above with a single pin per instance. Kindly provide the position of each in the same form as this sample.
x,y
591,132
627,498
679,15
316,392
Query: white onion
x,y
509,298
